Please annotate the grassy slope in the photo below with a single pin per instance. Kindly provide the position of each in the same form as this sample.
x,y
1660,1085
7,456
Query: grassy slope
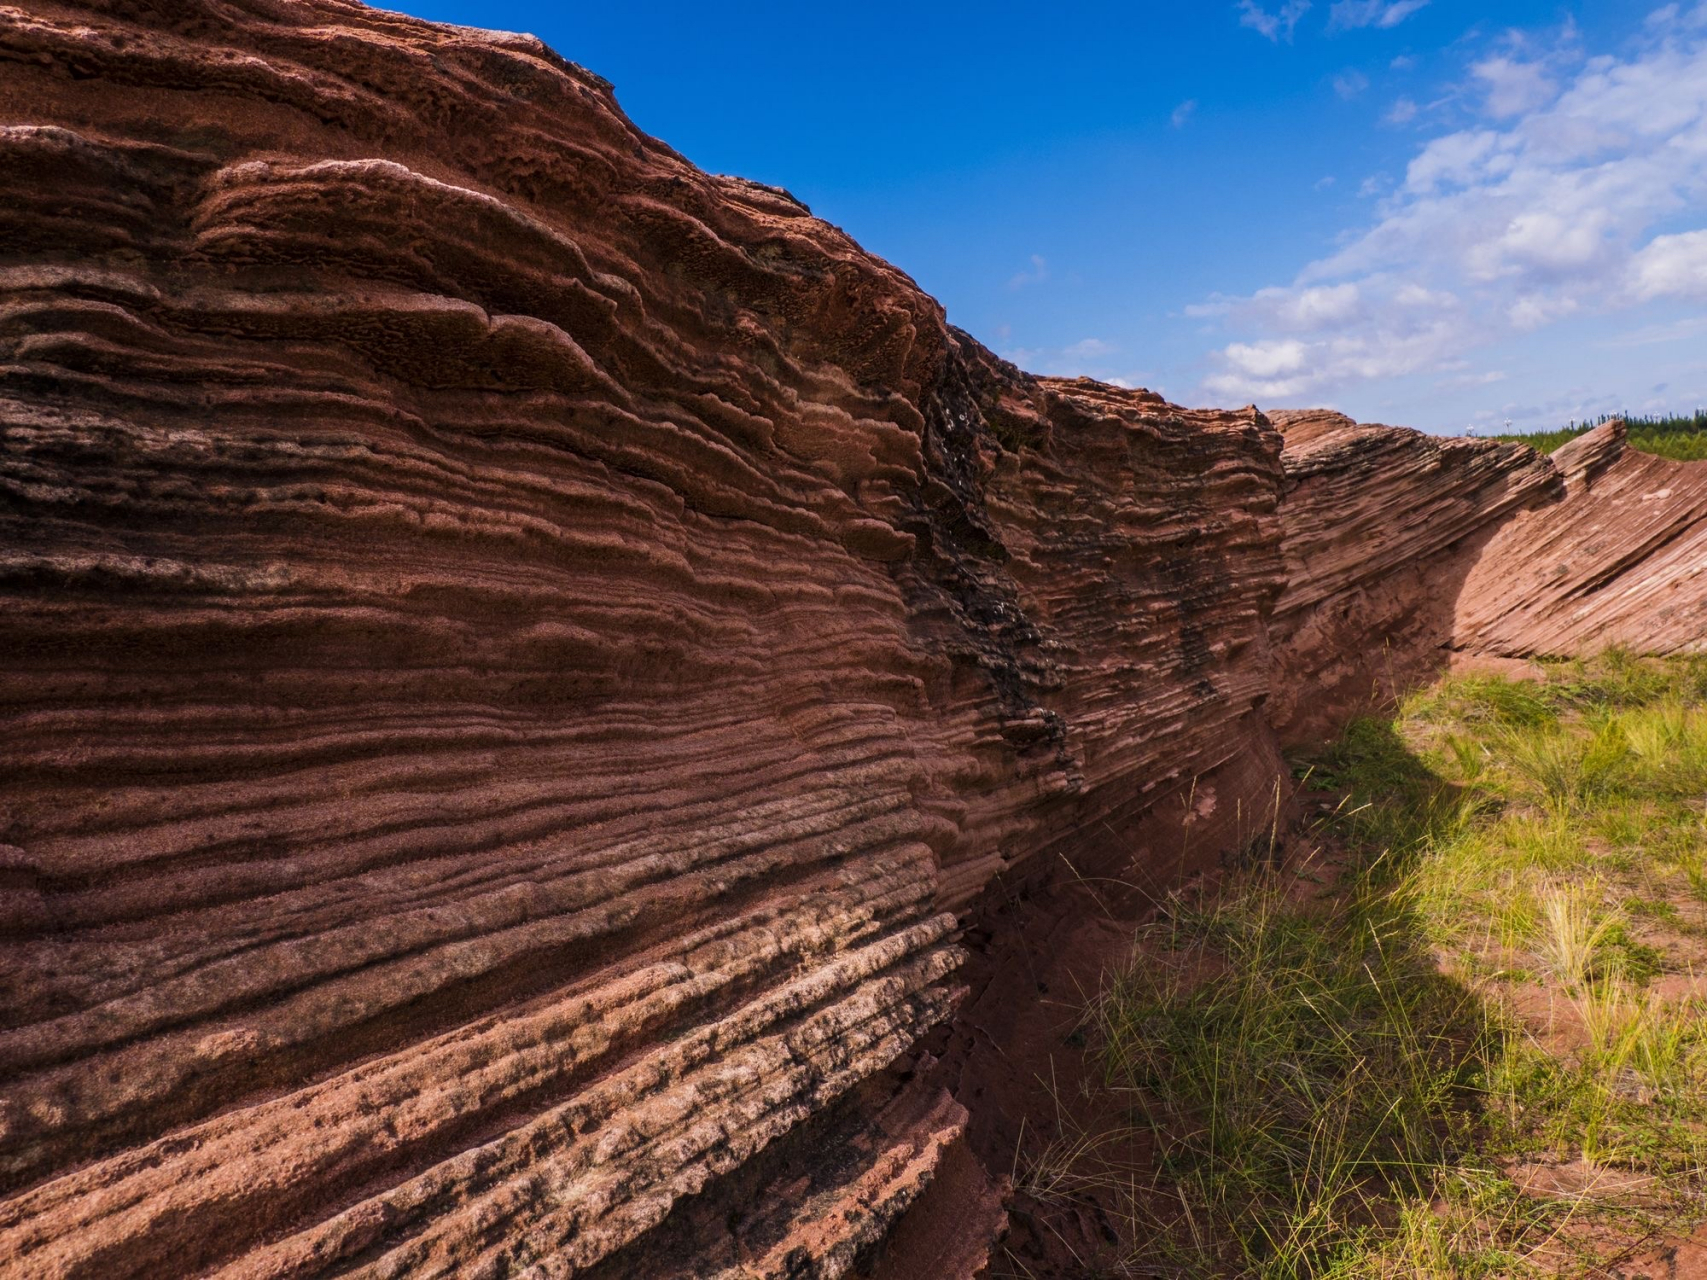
x,y
1465,1040
1682,438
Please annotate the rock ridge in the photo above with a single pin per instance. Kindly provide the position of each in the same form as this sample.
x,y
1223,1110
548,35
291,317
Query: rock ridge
x,y
552,698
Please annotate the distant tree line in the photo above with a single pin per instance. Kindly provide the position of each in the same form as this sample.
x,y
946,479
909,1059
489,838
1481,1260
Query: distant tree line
x,y
1681,436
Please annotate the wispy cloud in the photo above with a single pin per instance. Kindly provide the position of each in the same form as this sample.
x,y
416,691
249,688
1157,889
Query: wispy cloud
x,y
1675,15
1183,112
1690,327
1403,111
1348,84
1463,380
1512,87
1088,349
1092,357
1351,14
1037,275
1276,26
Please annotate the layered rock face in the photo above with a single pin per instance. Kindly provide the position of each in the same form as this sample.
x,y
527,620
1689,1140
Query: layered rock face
x,y
1382,526
524,657
517,649
1405,552
1621,560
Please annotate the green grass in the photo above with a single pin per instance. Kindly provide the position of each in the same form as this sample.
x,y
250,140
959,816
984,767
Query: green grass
x,y
1351,1080
1683,437
1316,1075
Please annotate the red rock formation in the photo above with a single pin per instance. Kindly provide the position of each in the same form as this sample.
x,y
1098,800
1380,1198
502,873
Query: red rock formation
x,y
1407,553
1382,526
1621,560
517,647
525,657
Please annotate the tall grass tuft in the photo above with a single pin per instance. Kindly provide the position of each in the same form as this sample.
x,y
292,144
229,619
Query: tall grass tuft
x,y
1563,770
1574,932
1669,738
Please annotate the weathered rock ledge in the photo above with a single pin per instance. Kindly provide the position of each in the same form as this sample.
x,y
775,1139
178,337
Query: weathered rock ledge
x,y
537,676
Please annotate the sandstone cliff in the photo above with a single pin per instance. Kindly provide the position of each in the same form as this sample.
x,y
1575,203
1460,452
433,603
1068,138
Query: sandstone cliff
x,y
539,680
1622,559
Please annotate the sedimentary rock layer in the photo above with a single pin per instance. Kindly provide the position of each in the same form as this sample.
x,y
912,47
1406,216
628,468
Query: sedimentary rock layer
x,y
1382,525
516,649
1621,560
1406,552
534,672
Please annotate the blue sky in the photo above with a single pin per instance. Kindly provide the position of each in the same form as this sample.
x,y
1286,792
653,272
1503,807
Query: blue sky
x,y
1431,212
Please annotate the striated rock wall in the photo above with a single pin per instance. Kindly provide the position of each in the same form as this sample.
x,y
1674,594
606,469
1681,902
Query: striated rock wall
x,y
541,682
516,650
1406,553
1621,560
1382,526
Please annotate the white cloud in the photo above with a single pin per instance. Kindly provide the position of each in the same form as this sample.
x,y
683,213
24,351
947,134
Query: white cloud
x,y
1403,111
1411,294
1272,358
1372,13
1671,266
1404,62
1585,201
1324,182
1511,88
1037,275
1302,310
1376,340
1672,15
1547,243
1321,307
1348,84
1183,112
1533,311
1458,159
1088,349
1275,26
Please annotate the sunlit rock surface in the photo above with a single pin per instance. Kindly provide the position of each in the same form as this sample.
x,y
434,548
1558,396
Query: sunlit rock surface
x,y
1621,560
516,650
1382,525
1406,553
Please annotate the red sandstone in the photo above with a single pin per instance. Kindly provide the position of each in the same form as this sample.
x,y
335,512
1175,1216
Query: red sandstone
x,y
550,697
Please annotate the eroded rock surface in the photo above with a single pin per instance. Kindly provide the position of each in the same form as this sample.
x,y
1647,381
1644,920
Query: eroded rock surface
x,y
516,650
1382,526
1407,553
1622,560
540,682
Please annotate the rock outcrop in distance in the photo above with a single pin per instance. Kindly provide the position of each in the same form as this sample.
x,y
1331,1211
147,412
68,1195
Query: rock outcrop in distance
x,y
535,675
